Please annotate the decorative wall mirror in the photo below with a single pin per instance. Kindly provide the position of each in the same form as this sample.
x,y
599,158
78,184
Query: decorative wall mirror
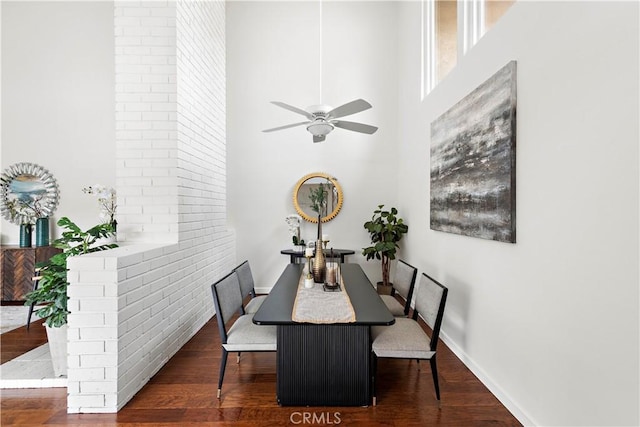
x,y
318,191
27,192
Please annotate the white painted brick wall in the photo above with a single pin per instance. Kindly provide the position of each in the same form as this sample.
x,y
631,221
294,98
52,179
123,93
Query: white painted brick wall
x,y
134,307
146,92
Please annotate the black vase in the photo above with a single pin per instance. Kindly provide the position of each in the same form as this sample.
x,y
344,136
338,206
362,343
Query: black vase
x,y
42,232
25,235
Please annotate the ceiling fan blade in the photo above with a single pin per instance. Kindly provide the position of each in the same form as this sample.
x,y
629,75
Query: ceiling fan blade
x,y
294,109
318,138
357,127
349,108
285,126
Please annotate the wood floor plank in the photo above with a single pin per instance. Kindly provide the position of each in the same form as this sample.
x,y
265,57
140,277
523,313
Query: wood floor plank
x,y
183,393
20,341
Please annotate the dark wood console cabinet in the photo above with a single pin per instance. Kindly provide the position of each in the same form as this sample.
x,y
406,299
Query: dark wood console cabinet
x,y
17,268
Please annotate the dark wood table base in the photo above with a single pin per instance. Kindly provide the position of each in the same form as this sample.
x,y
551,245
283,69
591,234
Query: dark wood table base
x,y
323,365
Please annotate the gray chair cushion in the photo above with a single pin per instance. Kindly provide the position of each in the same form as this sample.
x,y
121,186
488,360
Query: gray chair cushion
x,y
254,304
393,305
428,298
228,291
245,277
403,279
244,335
405,339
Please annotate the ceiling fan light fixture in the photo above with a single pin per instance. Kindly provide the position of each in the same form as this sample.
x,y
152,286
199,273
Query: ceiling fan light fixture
x,y
320,128
322,119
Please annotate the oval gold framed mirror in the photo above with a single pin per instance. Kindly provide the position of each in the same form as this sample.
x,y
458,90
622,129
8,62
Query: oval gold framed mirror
x,y
318,194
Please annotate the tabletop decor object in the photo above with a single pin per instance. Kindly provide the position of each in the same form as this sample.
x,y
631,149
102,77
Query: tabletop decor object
x,y
293,221
42,231
319,262
25,235
386,230
332,282
308,277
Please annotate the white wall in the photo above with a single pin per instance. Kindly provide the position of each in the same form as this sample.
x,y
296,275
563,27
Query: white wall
x,y
273,55
549,323
58,99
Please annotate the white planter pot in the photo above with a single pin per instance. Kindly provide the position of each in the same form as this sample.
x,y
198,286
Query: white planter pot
x,y
57,338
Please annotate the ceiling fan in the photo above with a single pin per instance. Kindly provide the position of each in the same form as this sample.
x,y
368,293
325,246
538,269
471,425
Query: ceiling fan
x,y
322,119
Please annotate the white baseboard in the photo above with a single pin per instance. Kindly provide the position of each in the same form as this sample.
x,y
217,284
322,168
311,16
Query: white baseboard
x,y
262,291
496,390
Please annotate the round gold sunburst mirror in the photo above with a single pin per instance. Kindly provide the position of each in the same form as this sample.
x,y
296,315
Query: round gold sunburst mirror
x,y
318,194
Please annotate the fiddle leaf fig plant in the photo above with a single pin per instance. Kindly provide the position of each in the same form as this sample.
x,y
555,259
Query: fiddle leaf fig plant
x,y
52,284
385,230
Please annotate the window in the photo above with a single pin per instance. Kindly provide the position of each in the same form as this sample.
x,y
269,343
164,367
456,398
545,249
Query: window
x,y
493,10
449,29
446,37
439,41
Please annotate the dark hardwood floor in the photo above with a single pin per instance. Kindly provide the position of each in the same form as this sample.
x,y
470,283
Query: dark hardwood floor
x,y
20,340
183,393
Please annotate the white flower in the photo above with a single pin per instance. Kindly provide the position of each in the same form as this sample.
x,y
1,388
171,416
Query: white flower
x,y
106,199
293,221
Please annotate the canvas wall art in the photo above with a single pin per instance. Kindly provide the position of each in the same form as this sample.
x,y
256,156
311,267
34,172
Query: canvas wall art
x,y
473,190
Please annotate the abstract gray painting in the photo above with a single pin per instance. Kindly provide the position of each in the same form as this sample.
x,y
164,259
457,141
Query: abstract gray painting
x,y
473,161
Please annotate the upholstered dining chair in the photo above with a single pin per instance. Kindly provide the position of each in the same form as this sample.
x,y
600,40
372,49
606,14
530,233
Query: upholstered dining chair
x,y
247,288
243,335
406,339
403,283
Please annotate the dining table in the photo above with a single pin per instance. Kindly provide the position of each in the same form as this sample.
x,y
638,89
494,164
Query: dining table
x,y
325,363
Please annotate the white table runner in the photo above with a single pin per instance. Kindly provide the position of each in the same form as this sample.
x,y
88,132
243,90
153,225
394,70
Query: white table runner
x,y
314,305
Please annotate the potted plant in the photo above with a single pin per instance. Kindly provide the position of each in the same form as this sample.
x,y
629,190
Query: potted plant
x,y
108,203
293,221
52,284
386,230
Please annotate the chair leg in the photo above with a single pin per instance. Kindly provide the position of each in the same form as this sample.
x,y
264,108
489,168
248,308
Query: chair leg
x,y
223,365
418,361
238,357
32,305
29,315
374,371
434,372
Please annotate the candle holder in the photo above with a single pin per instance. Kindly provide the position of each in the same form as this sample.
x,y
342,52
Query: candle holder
x,y
308,257
332,276
308,279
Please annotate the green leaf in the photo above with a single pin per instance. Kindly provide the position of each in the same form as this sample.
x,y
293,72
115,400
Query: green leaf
x,y
385,229
53,284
